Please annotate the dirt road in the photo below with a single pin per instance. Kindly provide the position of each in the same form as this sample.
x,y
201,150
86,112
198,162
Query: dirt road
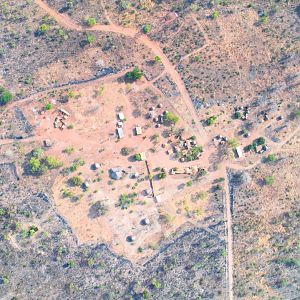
x,y
66,21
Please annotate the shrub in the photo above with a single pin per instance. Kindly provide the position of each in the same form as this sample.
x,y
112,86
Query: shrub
x,y
237,115
171,118
91,22
134,75
269,180
75,181
155,283
146,28
260,141
157,58
126,200
68,150
48,106
126,151
138,157
5,96
90,38
124,4
214,15
211,120
37,152
51,162
34,165
44,28
271,157
194,153
233,143
189,183
162,175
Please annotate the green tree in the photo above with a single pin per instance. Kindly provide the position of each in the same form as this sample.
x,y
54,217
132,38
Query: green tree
x,y
90,38
170,117
75,181
134,75
260,141
237,115
35,165
51,162
211,120
37,152
44,27
5,96
48,106
157,59
91,22
269,180
146,28
271,157
233,143
214,15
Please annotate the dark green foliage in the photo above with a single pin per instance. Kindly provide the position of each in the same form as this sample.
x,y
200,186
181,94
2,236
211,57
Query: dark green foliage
x,y
5,96
211,120
134,75
126,200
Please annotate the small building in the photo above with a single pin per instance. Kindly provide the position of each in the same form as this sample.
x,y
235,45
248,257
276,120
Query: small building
x,y
47,143
64,112
143,156
121,116
120,133
116,173
157,198
96,166
239,152
120,124
138,130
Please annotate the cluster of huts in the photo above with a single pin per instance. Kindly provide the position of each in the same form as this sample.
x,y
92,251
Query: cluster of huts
x,y
120,126
243,110
193,170
61,120
158,118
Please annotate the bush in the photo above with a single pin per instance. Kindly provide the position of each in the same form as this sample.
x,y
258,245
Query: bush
x,y
214,15
126,151
162,175
44,28
34,165
37,152
90,38
134,75
5,96
48,106
171,118
260,141
138,157
271,157
155,283
126,200
157,59
237,115
75,181
269,180
233,143
211,120
146,28
91,22
51,162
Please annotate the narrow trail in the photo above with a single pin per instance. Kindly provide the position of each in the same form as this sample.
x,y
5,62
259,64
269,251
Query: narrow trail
x,y
143,39
90,82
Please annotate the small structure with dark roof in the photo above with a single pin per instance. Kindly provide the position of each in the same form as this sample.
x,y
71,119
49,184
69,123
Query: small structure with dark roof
x,y
116,173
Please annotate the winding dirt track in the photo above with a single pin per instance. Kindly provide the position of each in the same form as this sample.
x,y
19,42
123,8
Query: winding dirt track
x,y
143,39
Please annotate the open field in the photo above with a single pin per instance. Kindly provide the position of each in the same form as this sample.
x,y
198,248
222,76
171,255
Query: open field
x,y
149,150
